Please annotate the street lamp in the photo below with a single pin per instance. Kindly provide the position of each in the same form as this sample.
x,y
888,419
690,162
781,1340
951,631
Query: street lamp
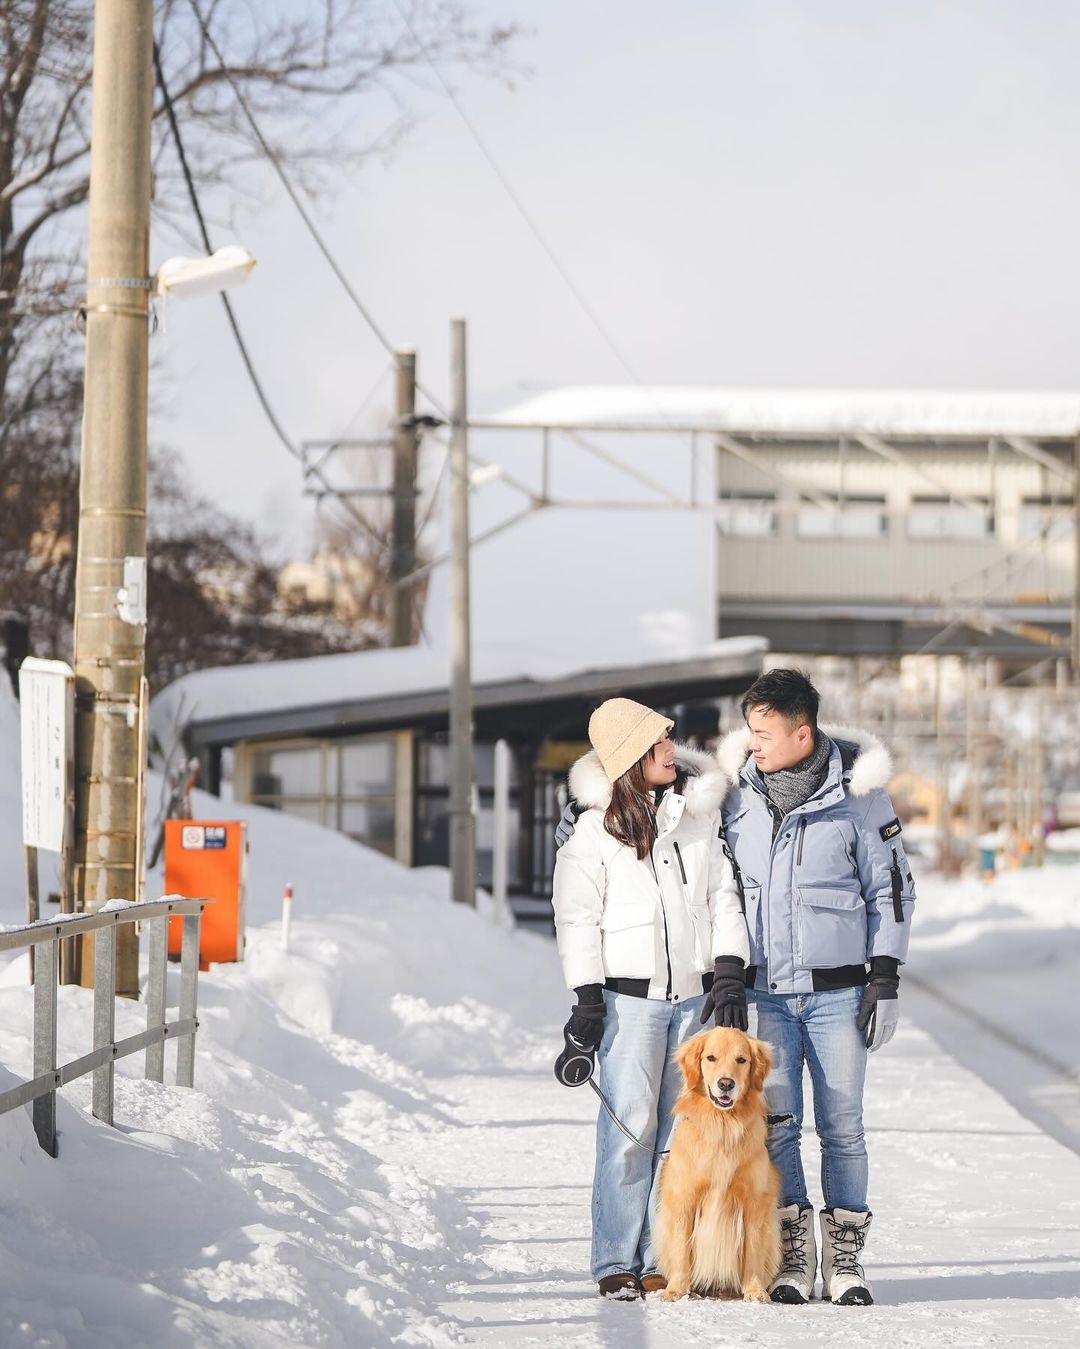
x,y
228,266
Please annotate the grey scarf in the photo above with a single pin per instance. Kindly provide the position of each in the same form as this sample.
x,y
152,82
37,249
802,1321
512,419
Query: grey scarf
x,y
790,787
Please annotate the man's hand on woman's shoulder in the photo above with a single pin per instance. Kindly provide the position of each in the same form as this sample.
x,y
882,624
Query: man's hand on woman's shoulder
x,y
567,823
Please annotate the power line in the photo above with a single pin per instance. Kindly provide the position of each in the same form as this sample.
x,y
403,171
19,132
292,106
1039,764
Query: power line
x,y
294,196
170,113
196,207
522,209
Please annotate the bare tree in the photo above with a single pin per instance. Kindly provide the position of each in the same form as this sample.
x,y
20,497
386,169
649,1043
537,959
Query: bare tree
x,y
328,82
311,73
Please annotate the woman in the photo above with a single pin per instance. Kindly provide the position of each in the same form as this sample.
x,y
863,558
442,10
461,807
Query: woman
x,y
653,942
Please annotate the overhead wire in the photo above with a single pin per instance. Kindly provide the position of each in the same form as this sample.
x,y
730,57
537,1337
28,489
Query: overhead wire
x,y
260,392
515,197
318,238
174,128
297,201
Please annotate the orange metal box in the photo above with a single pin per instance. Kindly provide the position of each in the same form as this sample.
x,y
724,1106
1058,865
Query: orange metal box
x,y
207,859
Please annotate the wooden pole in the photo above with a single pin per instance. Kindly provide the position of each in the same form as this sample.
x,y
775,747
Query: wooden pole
x,y
1039,839
110,587
406,451
974,756
462,820
944,849
1076,561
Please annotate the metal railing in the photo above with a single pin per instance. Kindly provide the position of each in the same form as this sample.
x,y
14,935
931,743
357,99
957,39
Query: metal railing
x,y
44,938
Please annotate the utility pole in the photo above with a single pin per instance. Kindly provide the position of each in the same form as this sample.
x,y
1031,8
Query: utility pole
x,y
1039,774
110,582
973,754
1076,562
944,825
462,821
403,554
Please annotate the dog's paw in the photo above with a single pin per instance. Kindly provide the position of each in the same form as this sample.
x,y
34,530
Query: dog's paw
x,y
673,1292
754,1292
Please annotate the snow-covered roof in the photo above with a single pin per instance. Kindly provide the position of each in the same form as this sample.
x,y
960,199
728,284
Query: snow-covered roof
x,y
794,412
366,678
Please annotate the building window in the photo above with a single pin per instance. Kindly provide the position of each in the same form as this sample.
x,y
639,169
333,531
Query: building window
x,y
932,517
289,774
348,785
746,515
1049,518
846,517
432,836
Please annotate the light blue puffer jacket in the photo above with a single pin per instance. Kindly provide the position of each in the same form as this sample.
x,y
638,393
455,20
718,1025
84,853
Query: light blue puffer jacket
x,y
834,888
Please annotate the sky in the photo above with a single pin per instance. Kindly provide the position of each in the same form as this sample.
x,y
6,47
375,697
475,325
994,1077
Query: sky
x,y
848,193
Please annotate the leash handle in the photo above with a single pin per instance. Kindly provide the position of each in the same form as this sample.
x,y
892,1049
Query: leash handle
x,y
575,1064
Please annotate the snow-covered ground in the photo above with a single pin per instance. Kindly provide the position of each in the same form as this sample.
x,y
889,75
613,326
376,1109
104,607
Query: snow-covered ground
x,y
376,1152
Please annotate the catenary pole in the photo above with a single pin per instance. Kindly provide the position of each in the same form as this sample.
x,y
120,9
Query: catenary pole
x,y
110,583
403,552
462,822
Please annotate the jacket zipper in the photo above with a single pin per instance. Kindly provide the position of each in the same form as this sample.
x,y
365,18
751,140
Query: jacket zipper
x,y
802,830
682,869
663,914
894,877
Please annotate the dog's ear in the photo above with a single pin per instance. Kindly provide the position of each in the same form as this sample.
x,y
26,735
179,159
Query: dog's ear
x,y
688,1057
760,1063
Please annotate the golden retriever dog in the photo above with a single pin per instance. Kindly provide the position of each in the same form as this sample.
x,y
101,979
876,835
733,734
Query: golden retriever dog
x,y
717,1229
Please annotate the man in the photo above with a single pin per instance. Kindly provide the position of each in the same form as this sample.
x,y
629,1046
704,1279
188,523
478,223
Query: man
x,y
828,895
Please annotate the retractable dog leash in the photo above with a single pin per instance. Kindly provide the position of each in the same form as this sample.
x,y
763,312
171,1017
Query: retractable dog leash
x,y
574,1067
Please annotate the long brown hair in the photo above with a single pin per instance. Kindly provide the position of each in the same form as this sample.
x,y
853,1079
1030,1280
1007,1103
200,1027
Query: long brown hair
x,y
631,816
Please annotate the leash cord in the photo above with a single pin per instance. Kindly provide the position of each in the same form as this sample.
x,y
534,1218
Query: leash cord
x,y
622,1127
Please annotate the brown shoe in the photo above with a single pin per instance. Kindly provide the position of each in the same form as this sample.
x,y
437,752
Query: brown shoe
x,y
652,1283
621,1287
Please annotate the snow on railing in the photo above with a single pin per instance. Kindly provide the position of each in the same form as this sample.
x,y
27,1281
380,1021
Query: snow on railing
x,y
44,938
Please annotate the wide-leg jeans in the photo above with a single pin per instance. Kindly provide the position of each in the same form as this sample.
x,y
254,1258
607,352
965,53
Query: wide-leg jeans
x,y
818,1030
641,1081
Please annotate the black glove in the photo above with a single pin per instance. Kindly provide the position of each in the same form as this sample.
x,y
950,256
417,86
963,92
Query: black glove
x,y
581,1037
566,826
879,1010
586,1023
727,997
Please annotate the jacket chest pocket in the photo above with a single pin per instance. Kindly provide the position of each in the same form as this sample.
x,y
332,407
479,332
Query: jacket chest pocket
x,y
751,897
824,851
628,939
830,928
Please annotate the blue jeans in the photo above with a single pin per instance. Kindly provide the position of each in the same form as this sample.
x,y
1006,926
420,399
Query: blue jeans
x,y
817,1029
641,1081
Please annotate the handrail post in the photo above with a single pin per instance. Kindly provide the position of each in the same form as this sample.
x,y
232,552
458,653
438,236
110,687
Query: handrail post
x,y
104,1018
45,1041
155,995
189,986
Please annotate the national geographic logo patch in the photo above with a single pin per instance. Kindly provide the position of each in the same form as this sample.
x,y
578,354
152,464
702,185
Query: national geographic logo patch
x,y
890,830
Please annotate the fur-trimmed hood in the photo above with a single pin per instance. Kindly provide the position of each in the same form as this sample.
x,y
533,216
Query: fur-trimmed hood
x,y
871,762
706,785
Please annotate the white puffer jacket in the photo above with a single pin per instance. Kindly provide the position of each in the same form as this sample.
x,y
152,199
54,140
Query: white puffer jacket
x,y
664,919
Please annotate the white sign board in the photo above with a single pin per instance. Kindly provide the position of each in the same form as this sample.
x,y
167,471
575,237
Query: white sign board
x,y
47,706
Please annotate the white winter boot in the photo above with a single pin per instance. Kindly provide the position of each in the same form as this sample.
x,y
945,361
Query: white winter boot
x,y
843,1235
795,1282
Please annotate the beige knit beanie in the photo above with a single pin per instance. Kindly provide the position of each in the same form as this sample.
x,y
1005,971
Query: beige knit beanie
x,y
621,731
